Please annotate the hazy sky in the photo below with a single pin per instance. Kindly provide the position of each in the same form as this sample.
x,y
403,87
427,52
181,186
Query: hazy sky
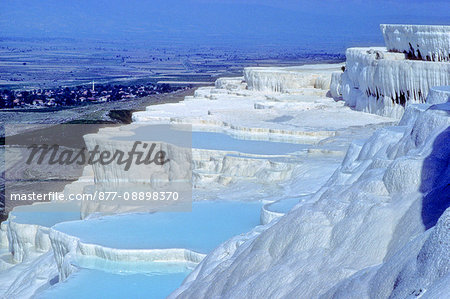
x,y
209,22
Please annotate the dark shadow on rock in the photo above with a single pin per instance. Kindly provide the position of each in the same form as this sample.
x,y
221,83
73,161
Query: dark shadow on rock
x,y
435,181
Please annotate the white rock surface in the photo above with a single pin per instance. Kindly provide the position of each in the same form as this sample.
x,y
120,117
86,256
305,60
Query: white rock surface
x,y
275,79
439,94
25,238
24,279
383,83
336,85
342,237
67,248
418,269
425,42
230,83
367,213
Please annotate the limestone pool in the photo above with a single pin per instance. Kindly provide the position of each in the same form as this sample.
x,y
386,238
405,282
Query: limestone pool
x,y
91,283
213,141
283,205
225,142
209,224
46,214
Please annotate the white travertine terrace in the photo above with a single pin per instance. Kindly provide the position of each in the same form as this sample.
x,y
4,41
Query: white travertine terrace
x,y
23,238
439,94
423,42
386,80
275,79
301,114
383,83
68,248
370,231
230,83
336,85
419,269
367,224
178,168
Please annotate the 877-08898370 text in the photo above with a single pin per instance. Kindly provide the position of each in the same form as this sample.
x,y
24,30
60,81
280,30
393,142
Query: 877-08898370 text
x,y
98,195
135,196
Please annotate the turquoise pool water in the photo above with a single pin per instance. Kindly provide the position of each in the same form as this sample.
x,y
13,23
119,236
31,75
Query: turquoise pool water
x,y
96,284
221,141
283,205
213,141
132,267
46,214
209,224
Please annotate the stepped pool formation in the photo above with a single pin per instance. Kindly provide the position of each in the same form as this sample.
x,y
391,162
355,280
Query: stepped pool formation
x,y
316,181
92,283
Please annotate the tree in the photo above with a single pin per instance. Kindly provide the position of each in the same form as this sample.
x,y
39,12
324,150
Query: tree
x,y
9,101
2,102
164,87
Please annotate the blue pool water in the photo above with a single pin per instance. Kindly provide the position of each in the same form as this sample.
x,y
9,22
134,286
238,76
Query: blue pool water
x,y
90,283
221,141
283,205
212,141
209,224
123,267
46,214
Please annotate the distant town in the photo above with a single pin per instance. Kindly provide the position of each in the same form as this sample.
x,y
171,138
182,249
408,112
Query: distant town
x,y
65,96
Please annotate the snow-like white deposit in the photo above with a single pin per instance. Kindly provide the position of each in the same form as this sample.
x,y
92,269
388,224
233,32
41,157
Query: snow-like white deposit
x,y
305,114
291,138
388,190
384,83
336,85
26,230
230,83
424,42
275,79
418,269
346,199
67,249
439,94
22,280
